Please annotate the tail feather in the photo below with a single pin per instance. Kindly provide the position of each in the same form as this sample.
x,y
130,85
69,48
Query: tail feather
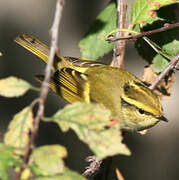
x,y
41,50
34,45
38,48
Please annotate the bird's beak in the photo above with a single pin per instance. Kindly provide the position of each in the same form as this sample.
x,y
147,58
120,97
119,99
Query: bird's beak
x,y
162,118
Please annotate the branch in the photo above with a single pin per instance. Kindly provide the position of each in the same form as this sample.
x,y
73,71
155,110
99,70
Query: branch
x,y
166,27
118,61
119,49
173,64
45,85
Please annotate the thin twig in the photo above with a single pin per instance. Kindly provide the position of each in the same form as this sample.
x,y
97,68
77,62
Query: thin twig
x,y
45,84
94,166
142,34
119,49
171,65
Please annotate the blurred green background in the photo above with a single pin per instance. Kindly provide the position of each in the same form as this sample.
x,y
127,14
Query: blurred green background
x,y
154,155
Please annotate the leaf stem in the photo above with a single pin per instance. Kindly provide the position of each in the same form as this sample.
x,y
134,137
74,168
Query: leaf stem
x,y
118,174
35,88
158,49
45,84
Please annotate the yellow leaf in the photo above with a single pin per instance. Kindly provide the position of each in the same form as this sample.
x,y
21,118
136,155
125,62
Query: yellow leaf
x,y
13,87
19,128
47,160
91,122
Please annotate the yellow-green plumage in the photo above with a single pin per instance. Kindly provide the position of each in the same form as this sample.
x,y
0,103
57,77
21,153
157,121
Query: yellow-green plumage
x,y
131,102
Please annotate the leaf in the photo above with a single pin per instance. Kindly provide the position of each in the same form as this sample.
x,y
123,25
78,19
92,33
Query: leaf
x,y
163,90
19,128
47,160
165,40
82,114
144,11
91,123
7,160
159,62
26,174
13,87
93,44
67,175
168,43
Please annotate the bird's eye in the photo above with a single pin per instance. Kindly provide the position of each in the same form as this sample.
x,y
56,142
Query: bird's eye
x,y
141,111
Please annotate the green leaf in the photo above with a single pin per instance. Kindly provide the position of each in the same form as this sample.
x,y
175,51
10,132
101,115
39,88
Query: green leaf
x,y
19,128
67,175
144,11
7,160
165,40
93,44
13,87
160,63
91,122
47,160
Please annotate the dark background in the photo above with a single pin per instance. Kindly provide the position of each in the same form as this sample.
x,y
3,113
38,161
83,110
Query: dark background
x,y
154,155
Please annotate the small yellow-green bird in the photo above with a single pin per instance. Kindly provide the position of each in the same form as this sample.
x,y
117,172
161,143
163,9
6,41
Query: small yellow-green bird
x,y
130,101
